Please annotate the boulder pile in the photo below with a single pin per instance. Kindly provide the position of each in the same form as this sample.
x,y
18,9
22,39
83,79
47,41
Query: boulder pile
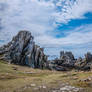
x,y
64,63
68,62
84,63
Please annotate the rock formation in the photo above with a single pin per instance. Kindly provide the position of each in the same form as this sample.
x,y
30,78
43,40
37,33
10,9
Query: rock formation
x,y
68,62
64,63
85,63
67,58
23,51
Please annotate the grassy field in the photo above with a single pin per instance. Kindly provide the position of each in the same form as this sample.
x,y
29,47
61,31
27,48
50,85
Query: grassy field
x,y
14,78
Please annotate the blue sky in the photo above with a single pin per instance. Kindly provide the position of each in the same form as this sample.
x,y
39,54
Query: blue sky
x,y
55,24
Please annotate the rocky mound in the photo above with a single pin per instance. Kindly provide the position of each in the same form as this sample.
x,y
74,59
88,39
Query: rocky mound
x,y
23,51
64,63
84,63
68,62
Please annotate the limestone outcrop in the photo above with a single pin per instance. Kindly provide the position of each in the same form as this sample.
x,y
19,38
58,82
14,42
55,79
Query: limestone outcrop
x,y
84,63
68,62
67,58
23,51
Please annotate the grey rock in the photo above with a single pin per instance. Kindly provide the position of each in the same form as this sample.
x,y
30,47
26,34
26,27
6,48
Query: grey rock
x,y
64,63
88,57
23,51
84,64
67,58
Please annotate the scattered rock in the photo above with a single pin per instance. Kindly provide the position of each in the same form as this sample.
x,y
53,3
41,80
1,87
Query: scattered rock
x,y
33,85
36,88
67,88
64,63
15,68
44,87
67,62
86,80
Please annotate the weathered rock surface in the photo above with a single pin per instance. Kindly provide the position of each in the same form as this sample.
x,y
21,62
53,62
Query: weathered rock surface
x,y
23,51
64,63
67,58
85,63
68,62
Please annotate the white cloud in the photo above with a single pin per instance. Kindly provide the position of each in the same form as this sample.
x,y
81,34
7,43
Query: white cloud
x,y
80,35
72,9
79,41
30,15
40,17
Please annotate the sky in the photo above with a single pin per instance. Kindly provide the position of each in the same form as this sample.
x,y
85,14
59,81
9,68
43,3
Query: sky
x,y
55,24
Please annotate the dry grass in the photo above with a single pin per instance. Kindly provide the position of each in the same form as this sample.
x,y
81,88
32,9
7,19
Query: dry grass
x,y
12,79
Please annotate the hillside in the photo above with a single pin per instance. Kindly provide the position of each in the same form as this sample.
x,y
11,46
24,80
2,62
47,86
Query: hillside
x,y
14,78
25,68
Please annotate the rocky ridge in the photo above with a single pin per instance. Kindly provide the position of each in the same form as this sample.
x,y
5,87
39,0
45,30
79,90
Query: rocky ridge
x,y
67,61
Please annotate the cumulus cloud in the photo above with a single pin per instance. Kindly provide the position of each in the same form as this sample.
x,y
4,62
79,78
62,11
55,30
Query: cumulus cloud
x,y
30,15
43,16
79,41
72,9
80,35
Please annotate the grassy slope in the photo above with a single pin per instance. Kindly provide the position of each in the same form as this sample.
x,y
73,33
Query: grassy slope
x,y
13,77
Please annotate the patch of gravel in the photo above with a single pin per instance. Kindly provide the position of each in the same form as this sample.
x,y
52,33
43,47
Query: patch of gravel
x,y
63,88
67,88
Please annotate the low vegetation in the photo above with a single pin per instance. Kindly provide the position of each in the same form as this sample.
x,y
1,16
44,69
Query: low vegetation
x,y
15,78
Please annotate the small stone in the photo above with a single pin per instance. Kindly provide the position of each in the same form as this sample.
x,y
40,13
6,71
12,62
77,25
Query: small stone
x,y
76,90
54,91
62,89
33,85
40,86
44,87
36,88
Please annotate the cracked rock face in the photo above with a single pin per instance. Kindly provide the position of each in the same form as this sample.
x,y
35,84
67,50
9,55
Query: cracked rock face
x,y
68,62
85,63
67,58
64,63
23,51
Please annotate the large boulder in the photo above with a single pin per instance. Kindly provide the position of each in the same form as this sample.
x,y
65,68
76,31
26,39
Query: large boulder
x,y
23,51
64,63
84,63
67,58
88,60
88,57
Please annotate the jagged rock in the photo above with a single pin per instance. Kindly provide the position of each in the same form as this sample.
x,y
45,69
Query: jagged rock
x,y
69,54
23,51
85,63
79,62
61,68
88,61
88,57
68,62
85,68
67,58
64,63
